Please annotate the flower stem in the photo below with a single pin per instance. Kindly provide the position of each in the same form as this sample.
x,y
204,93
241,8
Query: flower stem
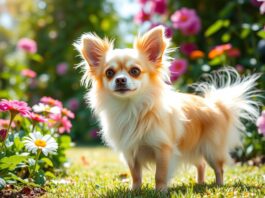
x,y
12,116
36,161
33,127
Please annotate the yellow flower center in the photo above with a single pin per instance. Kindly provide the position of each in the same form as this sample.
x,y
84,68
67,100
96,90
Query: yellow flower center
x,y
40,143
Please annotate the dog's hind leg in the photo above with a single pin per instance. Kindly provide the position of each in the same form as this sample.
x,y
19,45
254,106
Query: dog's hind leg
x,y
217,166
201,172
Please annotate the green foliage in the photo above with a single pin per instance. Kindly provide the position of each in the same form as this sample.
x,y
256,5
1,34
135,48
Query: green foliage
x,y
10,163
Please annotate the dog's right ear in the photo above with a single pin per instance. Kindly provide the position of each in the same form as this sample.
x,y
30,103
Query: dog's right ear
x,y
93,49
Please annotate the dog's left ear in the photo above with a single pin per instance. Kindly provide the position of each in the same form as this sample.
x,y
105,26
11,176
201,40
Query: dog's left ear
x,y
152,44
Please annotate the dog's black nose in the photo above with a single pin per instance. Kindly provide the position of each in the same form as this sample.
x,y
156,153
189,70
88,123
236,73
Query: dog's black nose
x,y
120,81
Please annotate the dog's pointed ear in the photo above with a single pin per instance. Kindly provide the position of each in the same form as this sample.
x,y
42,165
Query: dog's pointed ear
x,y
152,44
93,49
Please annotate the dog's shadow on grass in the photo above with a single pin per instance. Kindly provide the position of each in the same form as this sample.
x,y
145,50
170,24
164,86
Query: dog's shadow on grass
x,y
183,190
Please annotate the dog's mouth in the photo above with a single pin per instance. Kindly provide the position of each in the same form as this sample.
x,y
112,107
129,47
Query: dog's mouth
x,y
123,90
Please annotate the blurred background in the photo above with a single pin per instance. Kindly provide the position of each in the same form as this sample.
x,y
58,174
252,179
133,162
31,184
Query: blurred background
x,y
37,57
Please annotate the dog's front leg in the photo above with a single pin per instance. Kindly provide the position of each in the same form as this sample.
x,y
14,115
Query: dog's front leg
x,y
136,173
162,165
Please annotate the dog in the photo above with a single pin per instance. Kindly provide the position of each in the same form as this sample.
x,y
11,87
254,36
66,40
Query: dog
x,y
147,121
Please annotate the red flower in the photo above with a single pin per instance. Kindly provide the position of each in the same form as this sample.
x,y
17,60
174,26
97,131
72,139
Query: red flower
x,y
37,118
15,106
187,48
159,6
51,101
233,52
3,135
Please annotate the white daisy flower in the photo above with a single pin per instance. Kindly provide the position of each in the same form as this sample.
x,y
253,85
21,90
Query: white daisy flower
x,y
36,141
55,110
39,108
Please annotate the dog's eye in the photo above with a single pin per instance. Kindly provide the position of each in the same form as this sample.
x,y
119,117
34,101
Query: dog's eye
x,y
110,73
135,72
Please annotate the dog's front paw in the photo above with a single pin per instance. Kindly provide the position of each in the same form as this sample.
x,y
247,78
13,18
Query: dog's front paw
x,y
136,186
162,188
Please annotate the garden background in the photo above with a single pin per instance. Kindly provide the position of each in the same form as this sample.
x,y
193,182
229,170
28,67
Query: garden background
x,y
38,58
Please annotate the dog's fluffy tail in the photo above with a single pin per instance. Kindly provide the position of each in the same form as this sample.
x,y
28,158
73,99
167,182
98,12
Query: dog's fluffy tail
x,y
237,94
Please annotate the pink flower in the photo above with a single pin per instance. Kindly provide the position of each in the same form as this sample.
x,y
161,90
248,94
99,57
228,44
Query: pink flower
x,y
93,133
37,118
5,123
61,122
73,104
3,135
28,73
62,68
187,21
141,17
68,113
262,6
261,123
51,101
159,6
187,48
143,2
15,107
256,3
240,68
27,45
168,30
177,68
65,125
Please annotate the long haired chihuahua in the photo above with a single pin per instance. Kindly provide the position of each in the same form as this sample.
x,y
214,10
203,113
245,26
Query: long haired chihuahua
x,y
147,121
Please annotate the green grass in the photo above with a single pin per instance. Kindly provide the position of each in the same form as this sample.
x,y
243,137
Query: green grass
x,y
102,174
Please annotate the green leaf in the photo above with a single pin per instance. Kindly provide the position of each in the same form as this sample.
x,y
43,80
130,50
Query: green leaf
x,y
249,149
64,141
261,34
40,178
18,144
14,177
37,58
215,61
49,174
47,161
11,162
245,32
226,37
2,183
214,28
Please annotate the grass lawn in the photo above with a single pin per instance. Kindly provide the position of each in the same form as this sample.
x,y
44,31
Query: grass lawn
x,y
98,172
